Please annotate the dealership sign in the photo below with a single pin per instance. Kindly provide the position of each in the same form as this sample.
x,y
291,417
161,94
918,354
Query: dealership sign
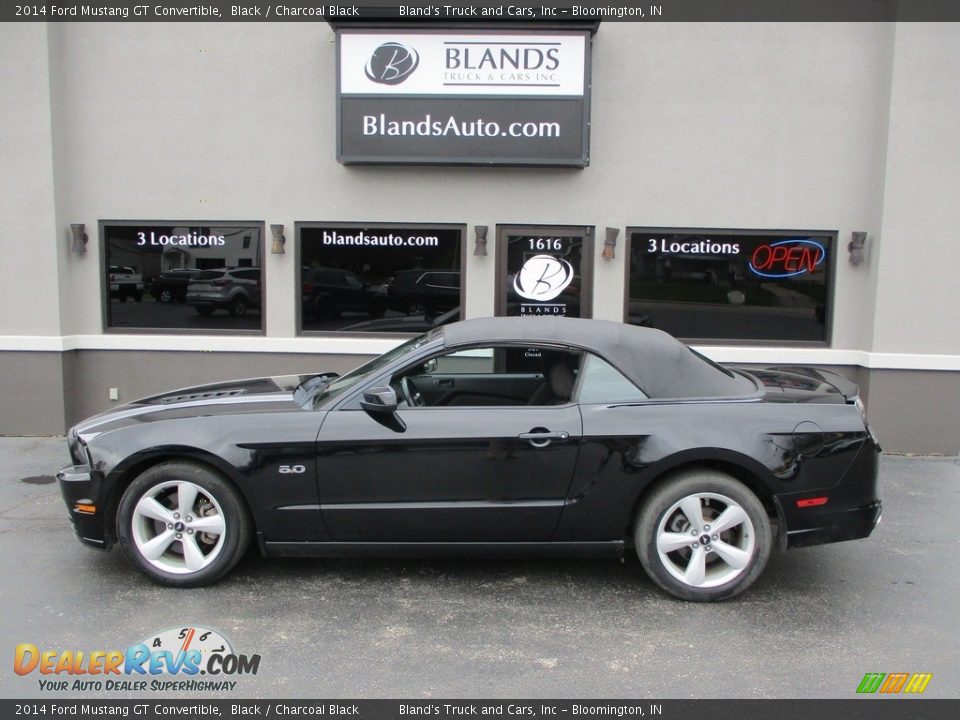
x,y
436,97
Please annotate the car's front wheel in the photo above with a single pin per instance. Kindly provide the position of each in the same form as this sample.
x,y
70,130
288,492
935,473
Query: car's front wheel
x,y
182,524
703,536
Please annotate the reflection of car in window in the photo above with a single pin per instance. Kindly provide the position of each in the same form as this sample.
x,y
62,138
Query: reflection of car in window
x,y
405,323
329,292
171,286
125,282
235,290
416,292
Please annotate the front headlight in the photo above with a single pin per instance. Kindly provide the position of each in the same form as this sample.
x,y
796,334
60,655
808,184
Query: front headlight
x,y
79,452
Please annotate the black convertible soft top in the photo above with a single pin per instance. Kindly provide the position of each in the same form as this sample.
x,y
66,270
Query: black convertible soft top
x,y
659,364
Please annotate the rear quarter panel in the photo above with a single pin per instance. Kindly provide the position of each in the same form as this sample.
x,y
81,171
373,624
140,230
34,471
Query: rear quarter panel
x,y
778,448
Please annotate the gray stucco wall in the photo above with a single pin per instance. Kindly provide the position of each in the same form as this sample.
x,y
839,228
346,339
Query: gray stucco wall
x,y
32,393
911,411
838,126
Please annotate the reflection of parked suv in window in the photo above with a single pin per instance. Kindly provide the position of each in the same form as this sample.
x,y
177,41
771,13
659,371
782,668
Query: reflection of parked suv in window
x,y
416,292
171,286
327,292
125,282
232,289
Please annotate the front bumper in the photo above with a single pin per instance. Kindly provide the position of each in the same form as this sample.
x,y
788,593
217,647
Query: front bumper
x,y
80,486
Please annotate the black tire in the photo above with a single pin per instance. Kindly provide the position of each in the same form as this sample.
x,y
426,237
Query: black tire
x,y
378,308
238,306
661,508
138,296
165,295
205,310
416,306
323,309
214,490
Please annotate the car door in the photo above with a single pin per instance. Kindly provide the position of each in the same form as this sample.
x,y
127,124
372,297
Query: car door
x,y
455,474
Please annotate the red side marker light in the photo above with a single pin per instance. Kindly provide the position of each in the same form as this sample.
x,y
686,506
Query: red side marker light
x,y
812,502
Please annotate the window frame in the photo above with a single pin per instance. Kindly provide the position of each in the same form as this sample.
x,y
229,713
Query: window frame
x,y
586,232
300,225
103,266
831,273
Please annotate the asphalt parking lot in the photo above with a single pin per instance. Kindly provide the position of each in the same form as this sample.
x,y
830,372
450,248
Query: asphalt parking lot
x,y
816,621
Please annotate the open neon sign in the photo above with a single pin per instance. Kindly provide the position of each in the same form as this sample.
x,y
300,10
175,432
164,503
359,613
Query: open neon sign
x,y
787,258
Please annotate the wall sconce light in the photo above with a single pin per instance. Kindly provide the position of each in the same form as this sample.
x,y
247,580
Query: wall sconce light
x,y
480,245
80,239
279,240
856,247
610,244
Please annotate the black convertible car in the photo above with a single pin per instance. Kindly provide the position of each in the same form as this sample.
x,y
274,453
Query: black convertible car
x,y
507,436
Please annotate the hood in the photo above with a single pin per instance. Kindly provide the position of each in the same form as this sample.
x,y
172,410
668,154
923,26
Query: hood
x,y
260,395
803,385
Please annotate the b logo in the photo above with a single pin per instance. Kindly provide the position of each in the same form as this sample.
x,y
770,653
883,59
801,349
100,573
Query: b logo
x,y
543,277
392,63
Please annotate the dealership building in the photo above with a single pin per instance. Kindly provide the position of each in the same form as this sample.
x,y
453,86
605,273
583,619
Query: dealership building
x,y
189,202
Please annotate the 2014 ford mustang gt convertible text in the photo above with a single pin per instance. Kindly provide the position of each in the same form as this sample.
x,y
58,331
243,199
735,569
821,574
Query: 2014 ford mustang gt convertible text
x,y
497,436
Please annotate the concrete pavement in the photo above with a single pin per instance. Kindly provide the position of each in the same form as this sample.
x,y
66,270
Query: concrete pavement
x,y
816,621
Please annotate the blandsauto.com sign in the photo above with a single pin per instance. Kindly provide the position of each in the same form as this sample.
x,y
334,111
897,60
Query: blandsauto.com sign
x,y
467,98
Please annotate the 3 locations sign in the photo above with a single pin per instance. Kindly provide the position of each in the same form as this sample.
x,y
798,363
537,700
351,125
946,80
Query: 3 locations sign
x,y
732,284
431,97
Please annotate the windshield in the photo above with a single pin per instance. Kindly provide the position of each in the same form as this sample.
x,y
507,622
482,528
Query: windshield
x,y
343,383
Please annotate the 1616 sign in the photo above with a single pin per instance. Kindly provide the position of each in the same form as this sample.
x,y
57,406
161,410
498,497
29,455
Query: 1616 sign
x,y
544,272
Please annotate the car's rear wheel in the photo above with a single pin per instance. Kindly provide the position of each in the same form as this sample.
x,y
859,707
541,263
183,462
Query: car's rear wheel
x,y
165,296
238,308
182,524
703,536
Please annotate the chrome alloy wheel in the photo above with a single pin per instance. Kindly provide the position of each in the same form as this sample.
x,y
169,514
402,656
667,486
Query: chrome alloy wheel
x,y
705,540
178,527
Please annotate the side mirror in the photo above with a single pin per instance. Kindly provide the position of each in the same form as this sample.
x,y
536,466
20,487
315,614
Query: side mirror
x,y
380,403
380,399
430,365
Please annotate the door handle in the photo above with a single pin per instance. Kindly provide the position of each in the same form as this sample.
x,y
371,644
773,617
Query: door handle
x,y
542,438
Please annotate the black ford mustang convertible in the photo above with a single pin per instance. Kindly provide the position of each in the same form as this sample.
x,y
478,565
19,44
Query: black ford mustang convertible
x,y
507,436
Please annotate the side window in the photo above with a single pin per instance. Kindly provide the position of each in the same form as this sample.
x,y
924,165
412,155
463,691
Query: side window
x,y
492,376
604,383
465,362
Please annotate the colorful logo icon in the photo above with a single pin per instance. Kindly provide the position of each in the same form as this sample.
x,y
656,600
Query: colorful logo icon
x,y
893,683
543,277
189,650
392,63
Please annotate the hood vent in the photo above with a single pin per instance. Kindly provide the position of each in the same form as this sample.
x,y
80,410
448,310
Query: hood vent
x,y
209,395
